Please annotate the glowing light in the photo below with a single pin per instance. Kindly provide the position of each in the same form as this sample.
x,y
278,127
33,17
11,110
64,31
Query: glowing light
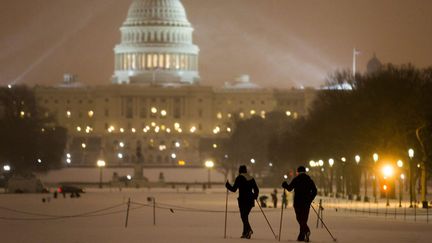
x,y
219,115
157,129
153,124
173,155
133,130
39,161
307,169
228,129
121,144
153,110
387,171
320,162
288,113
312,163
179,130
9,86
241,115
411,153
209,164
285,177
22,114
181,162
399,163
68,114
252,161
192,129
402,176
68,161
168,130
90,113
120,155
83,145
229,115
6,167
68,155
375,157
177,144
122,130
101,163
385,187
129,177
78,129
215,145
263,114
162,147
176,125
331,162
252,112
271,164
357,159
343,159
163,112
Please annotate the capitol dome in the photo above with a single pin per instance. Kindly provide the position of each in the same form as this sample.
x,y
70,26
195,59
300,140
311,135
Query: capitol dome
x,y
156,45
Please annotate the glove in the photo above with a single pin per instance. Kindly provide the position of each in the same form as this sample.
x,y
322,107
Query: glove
x,y
284,184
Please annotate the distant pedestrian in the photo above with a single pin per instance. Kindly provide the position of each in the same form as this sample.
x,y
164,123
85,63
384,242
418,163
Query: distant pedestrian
x,y
274,198
304,193
248,193
284,199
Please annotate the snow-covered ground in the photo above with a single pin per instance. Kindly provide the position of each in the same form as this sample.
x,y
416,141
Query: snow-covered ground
x,y
197,217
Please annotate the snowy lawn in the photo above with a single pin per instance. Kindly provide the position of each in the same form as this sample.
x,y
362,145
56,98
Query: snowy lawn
x,y
196,216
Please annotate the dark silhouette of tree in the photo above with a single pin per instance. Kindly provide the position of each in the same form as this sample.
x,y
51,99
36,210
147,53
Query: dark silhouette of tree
x,y
30,139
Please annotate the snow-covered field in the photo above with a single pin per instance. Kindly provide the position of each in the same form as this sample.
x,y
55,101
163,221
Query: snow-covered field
x,y
197,217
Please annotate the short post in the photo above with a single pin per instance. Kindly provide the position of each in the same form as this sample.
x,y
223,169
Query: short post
x,y
127,213
154,211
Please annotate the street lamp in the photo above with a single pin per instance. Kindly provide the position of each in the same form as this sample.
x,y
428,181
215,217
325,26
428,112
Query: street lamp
x,y
357,160
209,164
400,165
331,163
387,171
410,177
375,159
101,164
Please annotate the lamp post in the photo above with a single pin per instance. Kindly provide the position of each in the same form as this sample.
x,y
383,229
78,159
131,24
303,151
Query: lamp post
x,y
101,164
209,164
410,177
331,163
375,159
400,165
387,172
343,159
357,160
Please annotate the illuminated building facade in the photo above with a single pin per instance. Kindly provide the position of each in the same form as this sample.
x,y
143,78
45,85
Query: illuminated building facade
x,y
155,112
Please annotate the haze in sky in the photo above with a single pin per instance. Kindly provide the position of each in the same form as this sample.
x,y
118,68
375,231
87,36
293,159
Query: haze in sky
x,y
279,43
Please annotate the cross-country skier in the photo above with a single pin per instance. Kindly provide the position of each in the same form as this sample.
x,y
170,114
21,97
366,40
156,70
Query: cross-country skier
x,y
304,193
248,193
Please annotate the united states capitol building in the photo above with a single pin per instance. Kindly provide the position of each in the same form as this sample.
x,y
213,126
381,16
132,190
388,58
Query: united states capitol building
x,y
156,110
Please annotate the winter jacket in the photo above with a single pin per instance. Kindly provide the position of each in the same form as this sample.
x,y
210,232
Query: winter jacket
x,y
304,190
248,190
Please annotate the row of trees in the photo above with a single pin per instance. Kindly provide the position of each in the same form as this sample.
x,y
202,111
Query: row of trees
x,y
386,112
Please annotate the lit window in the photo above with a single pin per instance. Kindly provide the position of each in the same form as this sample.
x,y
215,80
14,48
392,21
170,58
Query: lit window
x,y
252,112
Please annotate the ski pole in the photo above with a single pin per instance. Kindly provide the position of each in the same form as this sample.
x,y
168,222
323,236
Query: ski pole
x,y
266,220
226,212
334,239
280,224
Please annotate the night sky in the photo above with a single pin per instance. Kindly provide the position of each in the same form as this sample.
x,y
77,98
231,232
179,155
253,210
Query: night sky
x,y
280,43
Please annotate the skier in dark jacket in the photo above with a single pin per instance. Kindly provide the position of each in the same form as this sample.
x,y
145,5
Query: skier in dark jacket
x,y
248,193
304,193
